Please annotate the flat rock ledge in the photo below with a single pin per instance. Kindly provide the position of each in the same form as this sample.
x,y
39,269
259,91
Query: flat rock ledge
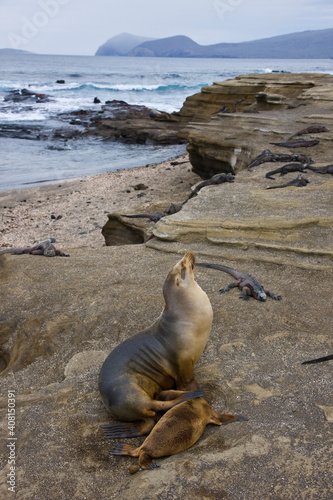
x,y
245,220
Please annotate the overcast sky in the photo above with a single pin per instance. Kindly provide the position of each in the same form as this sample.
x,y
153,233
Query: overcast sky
x,y
80,26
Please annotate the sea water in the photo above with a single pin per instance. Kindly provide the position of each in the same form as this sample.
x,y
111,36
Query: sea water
x,y
159,83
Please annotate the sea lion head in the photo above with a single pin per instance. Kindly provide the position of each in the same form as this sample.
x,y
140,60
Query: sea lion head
x,y
181,276
181,292
187,314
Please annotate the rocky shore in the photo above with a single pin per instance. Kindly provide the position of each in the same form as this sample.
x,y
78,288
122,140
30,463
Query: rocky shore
x,y
60,317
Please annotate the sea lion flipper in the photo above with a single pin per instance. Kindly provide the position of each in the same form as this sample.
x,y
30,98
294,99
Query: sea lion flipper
x,y
232,418
170,395
189,395
128,430
146,461
166,405
124,449
225,418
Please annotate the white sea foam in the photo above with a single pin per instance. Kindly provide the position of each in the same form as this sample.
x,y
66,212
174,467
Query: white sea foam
x,y
22,116
160,83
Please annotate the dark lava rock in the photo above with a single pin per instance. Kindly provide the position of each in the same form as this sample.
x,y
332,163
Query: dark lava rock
x,y
25,95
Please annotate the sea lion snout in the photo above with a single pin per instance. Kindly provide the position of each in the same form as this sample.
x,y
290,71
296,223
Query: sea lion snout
x,y
184,269
189,257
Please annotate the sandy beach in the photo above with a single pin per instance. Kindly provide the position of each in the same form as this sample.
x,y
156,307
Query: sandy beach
x,y
74,212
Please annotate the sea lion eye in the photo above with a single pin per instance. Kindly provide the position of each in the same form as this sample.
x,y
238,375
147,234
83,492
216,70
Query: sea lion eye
x,y
177,281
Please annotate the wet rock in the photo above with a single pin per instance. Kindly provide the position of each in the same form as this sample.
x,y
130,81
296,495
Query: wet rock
x,y
26,95
128,123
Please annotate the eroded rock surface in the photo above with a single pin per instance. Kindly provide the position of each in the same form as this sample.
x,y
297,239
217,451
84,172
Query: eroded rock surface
x,y
231,122
292,226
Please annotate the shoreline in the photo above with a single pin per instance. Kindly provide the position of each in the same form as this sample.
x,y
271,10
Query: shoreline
x,y
74,211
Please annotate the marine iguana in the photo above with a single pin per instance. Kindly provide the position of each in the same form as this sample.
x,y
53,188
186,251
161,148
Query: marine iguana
x,y
299,181
318,360
297,143
291,167
322,170
173,209
45,248
216,179
248,284
314,129
151,218
268,156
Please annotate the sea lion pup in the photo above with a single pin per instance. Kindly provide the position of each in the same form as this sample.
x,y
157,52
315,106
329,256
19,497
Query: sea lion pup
x,y
176,431
149,372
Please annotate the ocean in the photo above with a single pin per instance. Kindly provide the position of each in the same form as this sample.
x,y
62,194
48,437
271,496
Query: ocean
x,y
159,83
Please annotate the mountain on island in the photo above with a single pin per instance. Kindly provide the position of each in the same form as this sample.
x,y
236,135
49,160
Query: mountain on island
x,y
121,45
311,44
15,51
173,46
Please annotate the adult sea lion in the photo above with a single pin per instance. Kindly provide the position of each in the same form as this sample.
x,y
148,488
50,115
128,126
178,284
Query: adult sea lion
x,y
176,431
150,372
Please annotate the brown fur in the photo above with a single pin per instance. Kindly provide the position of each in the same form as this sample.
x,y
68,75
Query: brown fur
x,y
176,431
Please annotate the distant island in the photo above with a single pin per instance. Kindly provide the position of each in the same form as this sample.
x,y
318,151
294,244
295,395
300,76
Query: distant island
x,y
14,51
311,44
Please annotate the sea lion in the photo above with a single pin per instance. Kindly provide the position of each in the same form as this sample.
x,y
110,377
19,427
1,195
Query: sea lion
x,y
177,430
150,371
